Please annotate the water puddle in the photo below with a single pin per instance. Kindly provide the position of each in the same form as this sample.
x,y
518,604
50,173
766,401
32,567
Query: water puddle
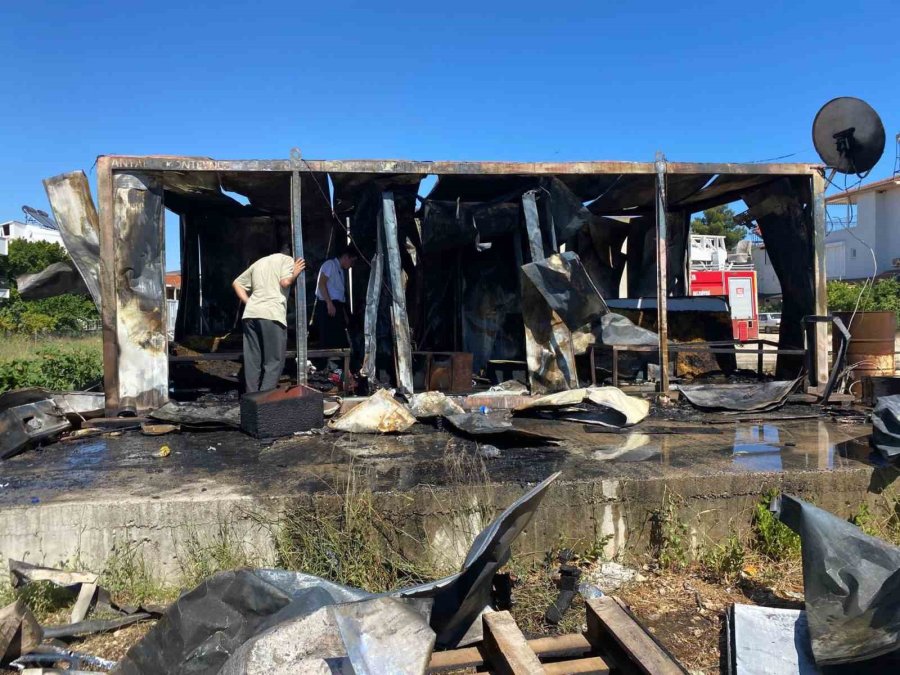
x,y
805,445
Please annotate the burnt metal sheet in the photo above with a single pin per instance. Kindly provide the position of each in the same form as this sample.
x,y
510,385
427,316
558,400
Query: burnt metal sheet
x,y
549,349
24,425
722,190
399,320
70,198
764,640
566,287
739,397
143,363
493,428
56,279
266,190
373,302
886,426
851,585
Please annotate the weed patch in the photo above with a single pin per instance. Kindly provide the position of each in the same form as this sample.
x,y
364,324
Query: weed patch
x,y
772,538
670,534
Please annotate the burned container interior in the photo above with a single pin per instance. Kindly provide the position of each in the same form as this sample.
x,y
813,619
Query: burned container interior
x,y
441,269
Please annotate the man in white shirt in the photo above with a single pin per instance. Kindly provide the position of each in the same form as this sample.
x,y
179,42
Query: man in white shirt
x,y
264,288
331,291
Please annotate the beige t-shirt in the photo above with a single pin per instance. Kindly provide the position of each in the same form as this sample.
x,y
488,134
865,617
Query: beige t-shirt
x,y
268,300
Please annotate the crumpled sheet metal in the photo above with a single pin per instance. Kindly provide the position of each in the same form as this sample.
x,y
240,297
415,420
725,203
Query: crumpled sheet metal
x,y
23,425
430,404
619,330
566,288
495,428
886,426
56,279
739,397
578,405
764,640
20,632
199,415
851,583
237,622
380,414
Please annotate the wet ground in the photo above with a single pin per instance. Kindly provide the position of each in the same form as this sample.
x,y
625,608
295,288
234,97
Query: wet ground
x,y
215,464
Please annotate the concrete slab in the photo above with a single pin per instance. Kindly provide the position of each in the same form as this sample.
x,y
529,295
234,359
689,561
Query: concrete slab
x,y
79,500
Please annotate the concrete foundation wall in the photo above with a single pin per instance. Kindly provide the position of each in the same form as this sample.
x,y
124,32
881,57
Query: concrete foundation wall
x,y
437,524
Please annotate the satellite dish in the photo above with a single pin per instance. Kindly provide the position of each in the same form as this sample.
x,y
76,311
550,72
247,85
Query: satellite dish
x,y
41,217
848,135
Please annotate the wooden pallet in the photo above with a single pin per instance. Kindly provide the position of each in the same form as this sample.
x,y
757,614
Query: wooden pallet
x,y
613,643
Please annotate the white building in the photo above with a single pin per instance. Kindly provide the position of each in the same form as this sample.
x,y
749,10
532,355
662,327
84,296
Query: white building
x,y
14,229
866,242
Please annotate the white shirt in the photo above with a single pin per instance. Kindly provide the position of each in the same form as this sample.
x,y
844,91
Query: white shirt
x,y
333,271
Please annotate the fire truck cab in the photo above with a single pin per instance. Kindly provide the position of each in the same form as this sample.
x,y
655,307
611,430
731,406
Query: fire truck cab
x,y
713,271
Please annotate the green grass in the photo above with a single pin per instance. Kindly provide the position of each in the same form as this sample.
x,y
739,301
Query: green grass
x,y
771,537
19,346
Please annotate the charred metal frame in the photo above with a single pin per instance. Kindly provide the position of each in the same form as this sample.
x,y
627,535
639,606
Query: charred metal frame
x,y
113,281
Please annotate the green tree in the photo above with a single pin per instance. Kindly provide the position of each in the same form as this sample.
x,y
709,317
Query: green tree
x,y
719,221
28,257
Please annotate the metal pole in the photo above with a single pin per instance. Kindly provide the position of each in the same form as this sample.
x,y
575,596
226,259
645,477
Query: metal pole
x,y
662,274
300,287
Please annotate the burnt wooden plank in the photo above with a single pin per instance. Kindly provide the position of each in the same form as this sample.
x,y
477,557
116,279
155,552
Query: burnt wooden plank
x,y
613,631
506,649
592,665
570,645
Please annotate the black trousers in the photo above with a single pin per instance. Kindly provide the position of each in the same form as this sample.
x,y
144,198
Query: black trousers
x,y
265,343
332,329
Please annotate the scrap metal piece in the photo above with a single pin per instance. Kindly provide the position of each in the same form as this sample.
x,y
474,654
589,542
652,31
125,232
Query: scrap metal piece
x,y
432,404
158,429
616,329
399,319
23,425
92,627
739,397
20,632
373,298
56,279
635,409
479,426
607,406
886,426
385,635
851,583
763,640
70,198
200,415
566,287
380,413
549,351
21,573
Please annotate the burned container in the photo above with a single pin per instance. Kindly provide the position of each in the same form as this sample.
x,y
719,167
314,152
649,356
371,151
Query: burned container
x,y
871,347
282,412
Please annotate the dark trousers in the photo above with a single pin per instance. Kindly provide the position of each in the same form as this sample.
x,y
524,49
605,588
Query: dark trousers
x,y
332,329
265,342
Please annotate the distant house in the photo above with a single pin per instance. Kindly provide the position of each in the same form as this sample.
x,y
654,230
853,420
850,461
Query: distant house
x,y
860,241
14,229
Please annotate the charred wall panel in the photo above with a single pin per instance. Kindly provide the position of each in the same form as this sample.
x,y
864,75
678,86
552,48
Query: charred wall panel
x,y
783,210
143,365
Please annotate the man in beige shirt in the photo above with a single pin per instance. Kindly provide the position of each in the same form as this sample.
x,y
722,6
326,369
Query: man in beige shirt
x,y
264,288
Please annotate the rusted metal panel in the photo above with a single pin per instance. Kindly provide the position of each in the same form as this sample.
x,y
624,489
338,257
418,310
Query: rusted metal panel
x,y
107,273
300,325
402,346
662,274
143,365
73,208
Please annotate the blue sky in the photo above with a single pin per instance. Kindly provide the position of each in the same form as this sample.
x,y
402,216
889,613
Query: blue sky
x,y
463,80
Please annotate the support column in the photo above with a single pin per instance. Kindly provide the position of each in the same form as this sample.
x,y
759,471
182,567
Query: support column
x,y
141,331
819,376
399,319
662,274
107,276
300,321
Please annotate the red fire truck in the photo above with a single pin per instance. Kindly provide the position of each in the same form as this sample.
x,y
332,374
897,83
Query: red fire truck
x,y
714,272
